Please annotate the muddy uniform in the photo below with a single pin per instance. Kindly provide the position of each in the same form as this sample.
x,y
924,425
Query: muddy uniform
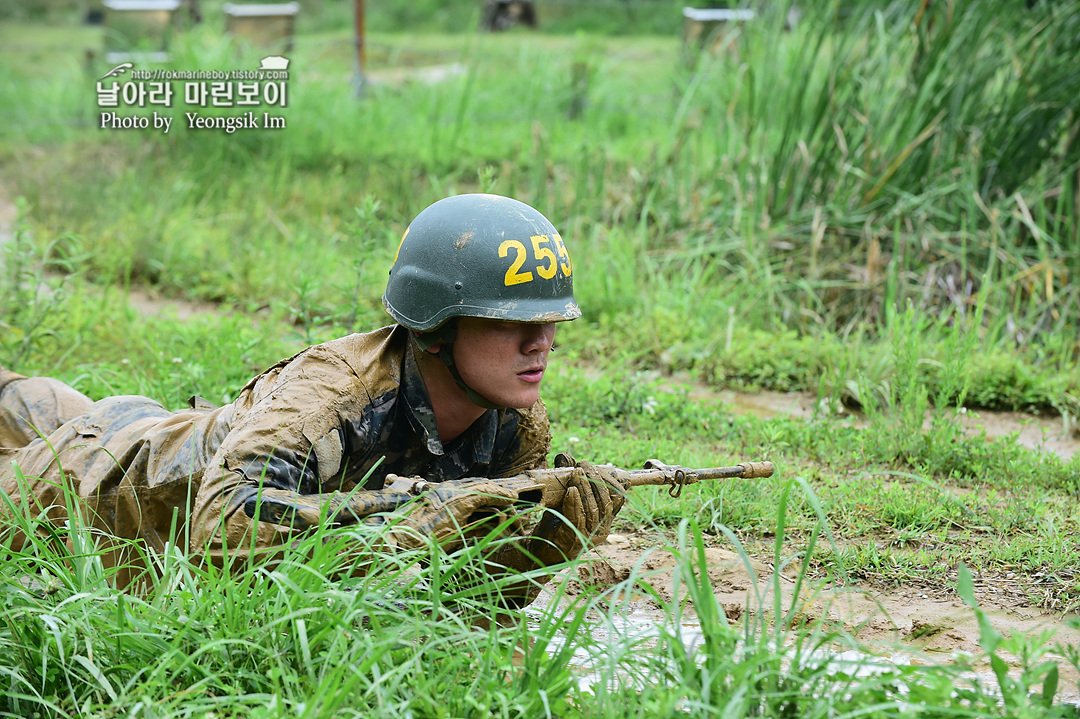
x,y
311,428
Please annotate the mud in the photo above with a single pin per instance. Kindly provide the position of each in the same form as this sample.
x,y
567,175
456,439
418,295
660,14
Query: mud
x,y
914,623
899,625
149,304
8,215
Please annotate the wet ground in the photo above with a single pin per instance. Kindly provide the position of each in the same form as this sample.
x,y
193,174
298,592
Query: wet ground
x,y
912,624
908,625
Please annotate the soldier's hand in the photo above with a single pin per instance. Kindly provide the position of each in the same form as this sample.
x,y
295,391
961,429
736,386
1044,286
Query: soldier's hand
x,y
448,514
593,499
579,512
585,511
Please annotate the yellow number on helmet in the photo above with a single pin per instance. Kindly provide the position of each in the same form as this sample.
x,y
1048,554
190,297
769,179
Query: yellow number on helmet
x,y
513,276
544,253
400,244
564,255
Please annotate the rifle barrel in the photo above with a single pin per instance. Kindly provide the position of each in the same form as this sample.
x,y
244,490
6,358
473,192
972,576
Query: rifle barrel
x,y
671,475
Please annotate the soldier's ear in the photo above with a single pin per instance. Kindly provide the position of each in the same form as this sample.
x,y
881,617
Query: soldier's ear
x,y
426,342
432,340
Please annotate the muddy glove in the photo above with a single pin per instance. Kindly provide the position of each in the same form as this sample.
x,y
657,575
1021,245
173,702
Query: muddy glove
x,y
593,497
449,514
583,513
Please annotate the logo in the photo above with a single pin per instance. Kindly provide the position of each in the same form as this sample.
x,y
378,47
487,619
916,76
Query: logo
x,y
210,94
117,71
274,62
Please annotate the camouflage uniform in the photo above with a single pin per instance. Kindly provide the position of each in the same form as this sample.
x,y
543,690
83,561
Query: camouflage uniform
x,y
309,429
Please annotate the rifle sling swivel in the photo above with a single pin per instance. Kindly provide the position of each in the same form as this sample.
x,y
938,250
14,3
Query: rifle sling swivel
x,y
678,481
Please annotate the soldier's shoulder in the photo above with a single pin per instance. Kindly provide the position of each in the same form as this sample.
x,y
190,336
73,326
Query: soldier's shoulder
x,y
367,358
375,358
364,343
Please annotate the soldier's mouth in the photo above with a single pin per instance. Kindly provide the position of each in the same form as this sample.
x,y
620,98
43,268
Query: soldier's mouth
x,y
532,375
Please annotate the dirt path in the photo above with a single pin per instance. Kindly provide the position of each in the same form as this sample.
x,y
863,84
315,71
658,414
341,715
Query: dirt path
x,y
146,302
1046,434
429,74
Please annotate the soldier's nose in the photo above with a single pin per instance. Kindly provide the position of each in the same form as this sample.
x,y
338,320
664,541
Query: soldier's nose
x,y
538,338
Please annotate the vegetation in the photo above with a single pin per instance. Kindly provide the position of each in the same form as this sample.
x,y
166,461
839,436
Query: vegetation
x,y
879,205
412,635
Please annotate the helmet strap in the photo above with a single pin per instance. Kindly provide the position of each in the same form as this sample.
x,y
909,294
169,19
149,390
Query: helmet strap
x,y
446,333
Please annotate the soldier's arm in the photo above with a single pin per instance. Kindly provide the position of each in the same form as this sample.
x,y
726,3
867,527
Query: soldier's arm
x,y
268,480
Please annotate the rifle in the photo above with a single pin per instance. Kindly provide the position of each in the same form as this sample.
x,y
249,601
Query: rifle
x,y
533,484
530,486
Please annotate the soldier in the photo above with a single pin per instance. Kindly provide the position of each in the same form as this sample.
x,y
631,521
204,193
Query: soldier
x,y
451,390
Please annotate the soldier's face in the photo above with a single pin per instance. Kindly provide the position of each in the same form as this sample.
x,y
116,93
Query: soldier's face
x,y
503,361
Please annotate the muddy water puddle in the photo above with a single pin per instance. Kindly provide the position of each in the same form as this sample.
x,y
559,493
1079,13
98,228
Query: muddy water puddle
x,y
643,618
632,645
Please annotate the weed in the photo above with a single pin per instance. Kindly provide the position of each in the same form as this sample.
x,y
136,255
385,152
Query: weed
x,y
32,290
854,217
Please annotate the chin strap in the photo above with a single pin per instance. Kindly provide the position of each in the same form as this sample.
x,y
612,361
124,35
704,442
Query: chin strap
x,y
446,333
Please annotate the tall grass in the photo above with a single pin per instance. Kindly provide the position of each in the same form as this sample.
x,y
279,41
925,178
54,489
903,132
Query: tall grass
x,y
411,635
810,181
832,207
287,640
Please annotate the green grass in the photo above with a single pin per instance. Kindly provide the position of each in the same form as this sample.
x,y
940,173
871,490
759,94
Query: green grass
x,y
835,209
405,637
790,220
988,503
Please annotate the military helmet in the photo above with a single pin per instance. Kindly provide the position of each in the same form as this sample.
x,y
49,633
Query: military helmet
x,y
479,255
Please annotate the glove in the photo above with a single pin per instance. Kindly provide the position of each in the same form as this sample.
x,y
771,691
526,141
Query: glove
x,y
451,514
585,512
593,497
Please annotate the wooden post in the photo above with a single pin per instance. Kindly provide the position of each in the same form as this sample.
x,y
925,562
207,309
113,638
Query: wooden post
x,y
360,80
